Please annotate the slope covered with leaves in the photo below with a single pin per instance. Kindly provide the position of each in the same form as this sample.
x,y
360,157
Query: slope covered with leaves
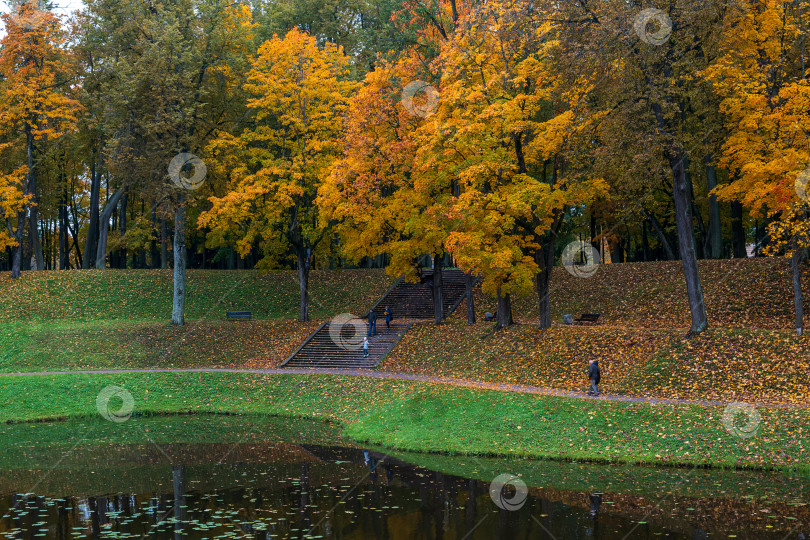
x,y
739,293
720,364
749,352
64,345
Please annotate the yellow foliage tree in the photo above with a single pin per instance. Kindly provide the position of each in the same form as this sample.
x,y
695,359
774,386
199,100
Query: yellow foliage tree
x,y
275,167
762,78
505,135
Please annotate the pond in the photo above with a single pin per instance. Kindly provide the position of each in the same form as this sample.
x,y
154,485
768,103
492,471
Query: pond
x,y
195,477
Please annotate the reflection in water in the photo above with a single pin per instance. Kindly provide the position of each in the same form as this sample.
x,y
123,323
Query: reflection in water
x,y
337,493
115,485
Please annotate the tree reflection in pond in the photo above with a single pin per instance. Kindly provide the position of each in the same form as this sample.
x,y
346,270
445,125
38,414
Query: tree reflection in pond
x,y
287,483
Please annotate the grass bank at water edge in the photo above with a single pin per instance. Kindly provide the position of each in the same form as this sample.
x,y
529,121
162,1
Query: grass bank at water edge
x,y
421,417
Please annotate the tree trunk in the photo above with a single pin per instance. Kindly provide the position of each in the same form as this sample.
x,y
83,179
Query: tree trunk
x,y
715,236
645,243
180,506
74,230
686,244
798,298
140,253
545,260
164,245
662,237
694,210
16,262
64,245
122,229
104,222
616,254
737,231
179,299
33,211
468,283
504,318
154,256
231,259
304,265
438,290
91,245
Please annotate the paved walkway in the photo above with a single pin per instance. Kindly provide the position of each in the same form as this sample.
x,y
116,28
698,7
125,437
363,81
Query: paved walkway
x,y
375,374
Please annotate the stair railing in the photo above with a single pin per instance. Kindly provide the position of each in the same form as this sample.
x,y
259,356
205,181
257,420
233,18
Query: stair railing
x,y
304,344
463,296
391,288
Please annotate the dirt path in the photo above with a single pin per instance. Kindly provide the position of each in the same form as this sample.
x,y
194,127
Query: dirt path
x,y
375,374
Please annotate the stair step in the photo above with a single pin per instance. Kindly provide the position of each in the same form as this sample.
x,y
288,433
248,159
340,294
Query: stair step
x,y
409,302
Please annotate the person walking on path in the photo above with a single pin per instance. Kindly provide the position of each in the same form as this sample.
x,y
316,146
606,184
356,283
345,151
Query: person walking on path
x,y
372,323
389,316
365,347
594,375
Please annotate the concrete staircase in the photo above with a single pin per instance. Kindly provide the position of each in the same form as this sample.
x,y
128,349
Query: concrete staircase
x,y
324,349
415,300
338,343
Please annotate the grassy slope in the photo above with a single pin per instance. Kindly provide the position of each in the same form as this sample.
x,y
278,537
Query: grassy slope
x,y
748,354
92,295
721,364
422,417
119,318
92,319
739,293
64,345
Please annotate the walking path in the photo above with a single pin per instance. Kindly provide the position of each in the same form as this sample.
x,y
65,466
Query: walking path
x,y
374,374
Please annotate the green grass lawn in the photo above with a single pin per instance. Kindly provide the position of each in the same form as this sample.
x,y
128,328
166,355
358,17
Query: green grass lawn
x,y
118,344
116,319
436,418
146,295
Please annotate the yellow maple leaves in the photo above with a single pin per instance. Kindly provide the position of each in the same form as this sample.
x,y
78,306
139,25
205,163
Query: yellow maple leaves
x,y
298,98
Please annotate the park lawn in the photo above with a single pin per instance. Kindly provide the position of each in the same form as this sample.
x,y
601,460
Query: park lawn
x,y
104,295
118,319
721,364
739,293
122,344
423,417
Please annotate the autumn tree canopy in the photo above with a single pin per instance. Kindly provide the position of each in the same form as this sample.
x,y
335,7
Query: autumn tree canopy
x,y
502,137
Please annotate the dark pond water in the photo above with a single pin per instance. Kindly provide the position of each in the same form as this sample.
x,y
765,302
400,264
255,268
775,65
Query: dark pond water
x,y
236,477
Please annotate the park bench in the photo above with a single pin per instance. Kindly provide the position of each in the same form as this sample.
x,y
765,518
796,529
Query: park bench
x,y
587,318
232,315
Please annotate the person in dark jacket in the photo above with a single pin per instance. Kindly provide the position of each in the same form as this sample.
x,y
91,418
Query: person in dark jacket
x,y
389,315
372,323
594,375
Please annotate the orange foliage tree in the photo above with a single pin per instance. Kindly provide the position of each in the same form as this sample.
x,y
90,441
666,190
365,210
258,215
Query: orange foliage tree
x,y
35,97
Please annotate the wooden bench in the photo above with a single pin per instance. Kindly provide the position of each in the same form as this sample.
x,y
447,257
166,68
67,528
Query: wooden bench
x,y
232,315
587,318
